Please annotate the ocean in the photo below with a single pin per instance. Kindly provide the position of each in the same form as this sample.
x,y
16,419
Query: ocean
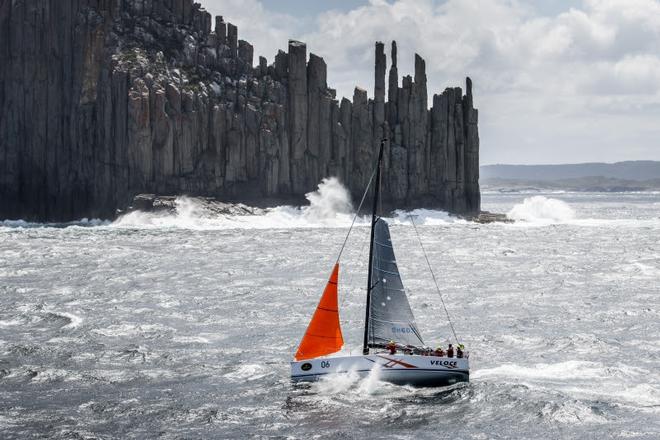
x,y
183,325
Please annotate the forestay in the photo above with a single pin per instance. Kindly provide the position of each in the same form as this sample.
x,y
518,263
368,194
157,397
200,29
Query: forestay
x,y
390,316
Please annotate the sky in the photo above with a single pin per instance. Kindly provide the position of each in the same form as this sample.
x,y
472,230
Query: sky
x,y
555,81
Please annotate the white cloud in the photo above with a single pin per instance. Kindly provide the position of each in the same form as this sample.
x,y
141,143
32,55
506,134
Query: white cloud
x,y
580,85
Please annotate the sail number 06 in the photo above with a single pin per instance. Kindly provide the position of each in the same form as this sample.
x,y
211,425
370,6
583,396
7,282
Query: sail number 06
x,y
325,364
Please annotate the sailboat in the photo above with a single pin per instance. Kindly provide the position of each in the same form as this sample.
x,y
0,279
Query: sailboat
x,y
389,320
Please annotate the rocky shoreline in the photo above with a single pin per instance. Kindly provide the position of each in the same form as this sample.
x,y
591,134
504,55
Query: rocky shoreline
x,y
209,206
485,217
151,203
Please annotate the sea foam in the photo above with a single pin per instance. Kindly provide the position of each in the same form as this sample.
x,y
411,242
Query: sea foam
x,y
540,209
329,206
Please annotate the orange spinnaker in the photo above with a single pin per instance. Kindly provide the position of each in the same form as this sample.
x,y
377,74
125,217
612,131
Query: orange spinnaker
x,y
323,335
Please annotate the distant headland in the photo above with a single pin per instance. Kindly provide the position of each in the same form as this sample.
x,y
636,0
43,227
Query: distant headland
x,y
640,175
101,100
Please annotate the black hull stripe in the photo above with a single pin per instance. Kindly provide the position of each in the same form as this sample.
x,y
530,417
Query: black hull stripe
x,y
398,369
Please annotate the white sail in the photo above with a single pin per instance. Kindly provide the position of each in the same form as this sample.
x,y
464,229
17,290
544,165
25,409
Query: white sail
x,y
390,316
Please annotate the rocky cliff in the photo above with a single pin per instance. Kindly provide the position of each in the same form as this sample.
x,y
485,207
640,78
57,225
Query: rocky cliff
x,y
103,99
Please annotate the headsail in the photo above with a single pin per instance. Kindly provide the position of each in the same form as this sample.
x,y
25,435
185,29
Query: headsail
x,y
323,335
390,316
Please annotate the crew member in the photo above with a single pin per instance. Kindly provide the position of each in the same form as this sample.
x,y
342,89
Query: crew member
x,y
439,352
391,346
450,351
459,350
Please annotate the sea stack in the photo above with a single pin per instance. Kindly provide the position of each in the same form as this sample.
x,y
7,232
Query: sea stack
x,y
103,100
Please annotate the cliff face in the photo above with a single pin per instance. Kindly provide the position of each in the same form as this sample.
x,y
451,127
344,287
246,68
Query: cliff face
x,y
103,99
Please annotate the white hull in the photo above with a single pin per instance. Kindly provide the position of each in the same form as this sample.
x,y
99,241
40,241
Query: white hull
x,y
414,370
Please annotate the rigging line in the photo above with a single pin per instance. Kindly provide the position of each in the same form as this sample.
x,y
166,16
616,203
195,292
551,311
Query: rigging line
x,y
353,273
352,276
364,196
380,199
349,285
435,281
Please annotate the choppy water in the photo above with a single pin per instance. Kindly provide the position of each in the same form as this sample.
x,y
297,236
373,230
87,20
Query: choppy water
x,y
183,327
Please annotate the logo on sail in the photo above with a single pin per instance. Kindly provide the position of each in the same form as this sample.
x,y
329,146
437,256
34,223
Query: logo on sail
x,y
402,330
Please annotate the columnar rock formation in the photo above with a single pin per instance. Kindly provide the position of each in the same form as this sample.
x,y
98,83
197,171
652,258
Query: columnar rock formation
x,y
103,99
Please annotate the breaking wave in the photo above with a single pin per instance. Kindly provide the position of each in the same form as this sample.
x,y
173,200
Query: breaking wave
x,y
329,206
352,383
540,209
330,200
68,320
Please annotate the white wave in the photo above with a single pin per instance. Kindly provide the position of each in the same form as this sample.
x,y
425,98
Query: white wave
x,y
191,340
47,375
74,320
248,372
329,206
127,330
351,382
643,394
372,382
540,209
583,379
571,413
338,383
329,201
83,222
427,217
543,211
642,270
561,371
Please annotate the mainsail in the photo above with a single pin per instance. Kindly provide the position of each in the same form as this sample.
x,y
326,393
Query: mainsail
x,y
323,335
390,316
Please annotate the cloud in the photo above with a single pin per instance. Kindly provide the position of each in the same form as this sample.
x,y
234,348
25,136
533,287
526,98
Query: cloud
x,y
582,84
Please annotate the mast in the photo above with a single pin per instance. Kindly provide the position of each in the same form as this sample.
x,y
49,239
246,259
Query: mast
x,y
365,344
